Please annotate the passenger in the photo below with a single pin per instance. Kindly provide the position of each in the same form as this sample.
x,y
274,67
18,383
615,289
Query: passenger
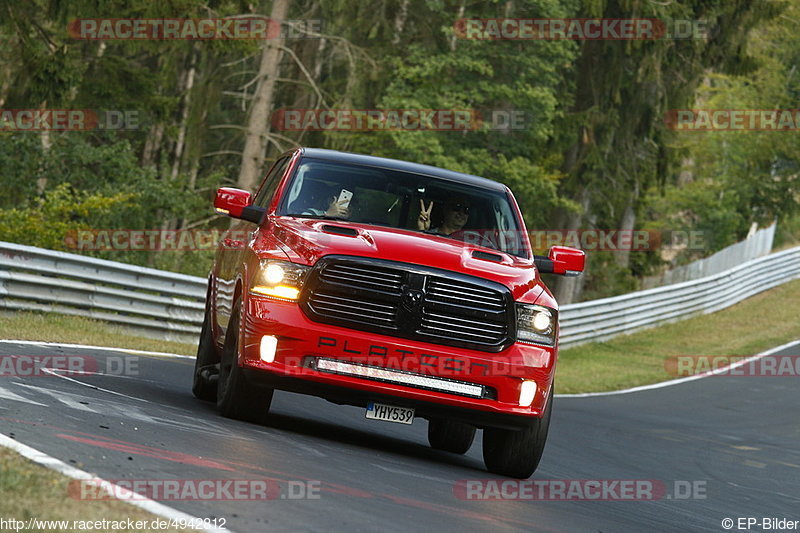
x,y
456,214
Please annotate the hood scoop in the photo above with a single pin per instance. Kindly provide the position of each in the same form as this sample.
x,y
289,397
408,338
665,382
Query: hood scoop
x,y
486,256
339,230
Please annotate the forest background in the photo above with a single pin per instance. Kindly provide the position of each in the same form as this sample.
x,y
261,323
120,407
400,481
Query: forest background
x,y
596,150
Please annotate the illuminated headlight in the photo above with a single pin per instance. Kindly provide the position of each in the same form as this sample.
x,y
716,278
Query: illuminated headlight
x,y
536,323
279,279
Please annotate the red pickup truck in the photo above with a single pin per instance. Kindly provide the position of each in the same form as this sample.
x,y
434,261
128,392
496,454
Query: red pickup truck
x,y
406,289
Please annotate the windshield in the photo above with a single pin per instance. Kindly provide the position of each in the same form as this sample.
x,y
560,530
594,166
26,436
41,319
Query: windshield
x,y
397,199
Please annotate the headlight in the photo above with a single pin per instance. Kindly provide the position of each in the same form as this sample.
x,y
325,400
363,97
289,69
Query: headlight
x,y
536,323
279,279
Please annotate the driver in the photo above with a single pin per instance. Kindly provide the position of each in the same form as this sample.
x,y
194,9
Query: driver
x,y
326,203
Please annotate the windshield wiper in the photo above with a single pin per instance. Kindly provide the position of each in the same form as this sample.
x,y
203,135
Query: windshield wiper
x,y
330,217
431,232
321,217
373,223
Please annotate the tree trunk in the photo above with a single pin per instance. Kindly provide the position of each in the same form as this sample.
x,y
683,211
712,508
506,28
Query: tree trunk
x,y
187,86
258,125
7,79
44,137
568,290
152,145
454,37
622,255
400,22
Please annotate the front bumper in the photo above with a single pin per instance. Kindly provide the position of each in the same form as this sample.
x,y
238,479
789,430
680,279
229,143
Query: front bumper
x,y
302,343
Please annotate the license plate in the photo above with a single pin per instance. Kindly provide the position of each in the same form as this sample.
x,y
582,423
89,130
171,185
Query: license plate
x,y
389,413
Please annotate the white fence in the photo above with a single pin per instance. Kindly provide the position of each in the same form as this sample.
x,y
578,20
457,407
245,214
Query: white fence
x,y
170,306
754,246
597,320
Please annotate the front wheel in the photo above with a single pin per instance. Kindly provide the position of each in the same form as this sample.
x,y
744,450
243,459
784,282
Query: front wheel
x,y
206,364
450,436
236,397
517,453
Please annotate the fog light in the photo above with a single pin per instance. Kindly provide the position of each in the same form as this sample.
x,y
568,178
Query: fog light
x,y
526,393
269,345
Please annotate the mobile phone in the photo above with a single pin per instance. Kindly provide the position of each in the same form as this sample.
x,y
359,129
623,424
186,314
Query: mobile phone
x,y
345,197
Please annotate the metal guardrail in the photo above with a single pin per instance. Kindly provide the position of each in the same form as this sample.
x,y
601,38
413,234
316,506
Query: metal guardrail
x,y
170,306
155,303
598,320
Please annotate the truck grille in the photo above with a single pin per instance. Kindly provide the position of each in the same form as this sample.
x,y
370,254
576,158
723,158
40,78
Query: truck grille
x,y
355,294
410,301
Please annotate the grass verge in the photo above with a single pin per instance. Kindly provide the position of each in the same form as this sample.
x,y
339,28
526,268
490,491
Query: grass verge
x,y
33,491
764,321
51,327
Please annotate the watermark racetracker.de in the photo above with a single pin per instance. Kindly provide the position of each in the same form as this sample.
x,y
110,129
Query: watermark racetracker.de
x,y
733,365
68,120
579,489
67,365
194,489
705,120
352,120
250,27
580,29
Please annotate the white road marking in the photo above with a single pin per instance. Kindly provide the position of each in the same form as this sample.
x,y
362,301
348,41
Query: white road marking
x,y
105,407
678,381
151,506
8,395
70,400
92,347
95,387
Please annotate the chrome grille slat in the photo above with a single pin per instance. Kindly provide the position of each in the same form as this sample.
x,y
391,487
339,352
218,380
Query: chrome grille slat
x,y
365,313
358,276
434,325
339,300
448,334
357,282
469,324
446,302
447,293
452,287
347,268
369,317
465,287
342,272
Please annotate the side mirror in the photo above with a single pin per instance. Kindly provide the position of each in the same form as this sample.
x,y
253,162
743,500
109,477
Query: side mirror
x,y
236,203
561,260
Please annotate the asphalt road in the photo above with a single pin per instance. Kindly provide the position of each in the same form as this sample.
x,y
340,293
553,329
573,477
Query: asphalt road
x,y
734,439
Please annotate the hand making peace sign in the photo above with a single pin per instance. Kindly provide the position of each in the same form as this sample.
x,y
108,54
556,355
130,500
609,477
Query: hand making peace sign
x,y
424,220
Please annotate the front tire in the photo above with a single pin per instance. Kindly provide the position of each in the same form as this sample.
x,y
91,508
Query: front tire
x,y
236,397
450,435
206,364
517,453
